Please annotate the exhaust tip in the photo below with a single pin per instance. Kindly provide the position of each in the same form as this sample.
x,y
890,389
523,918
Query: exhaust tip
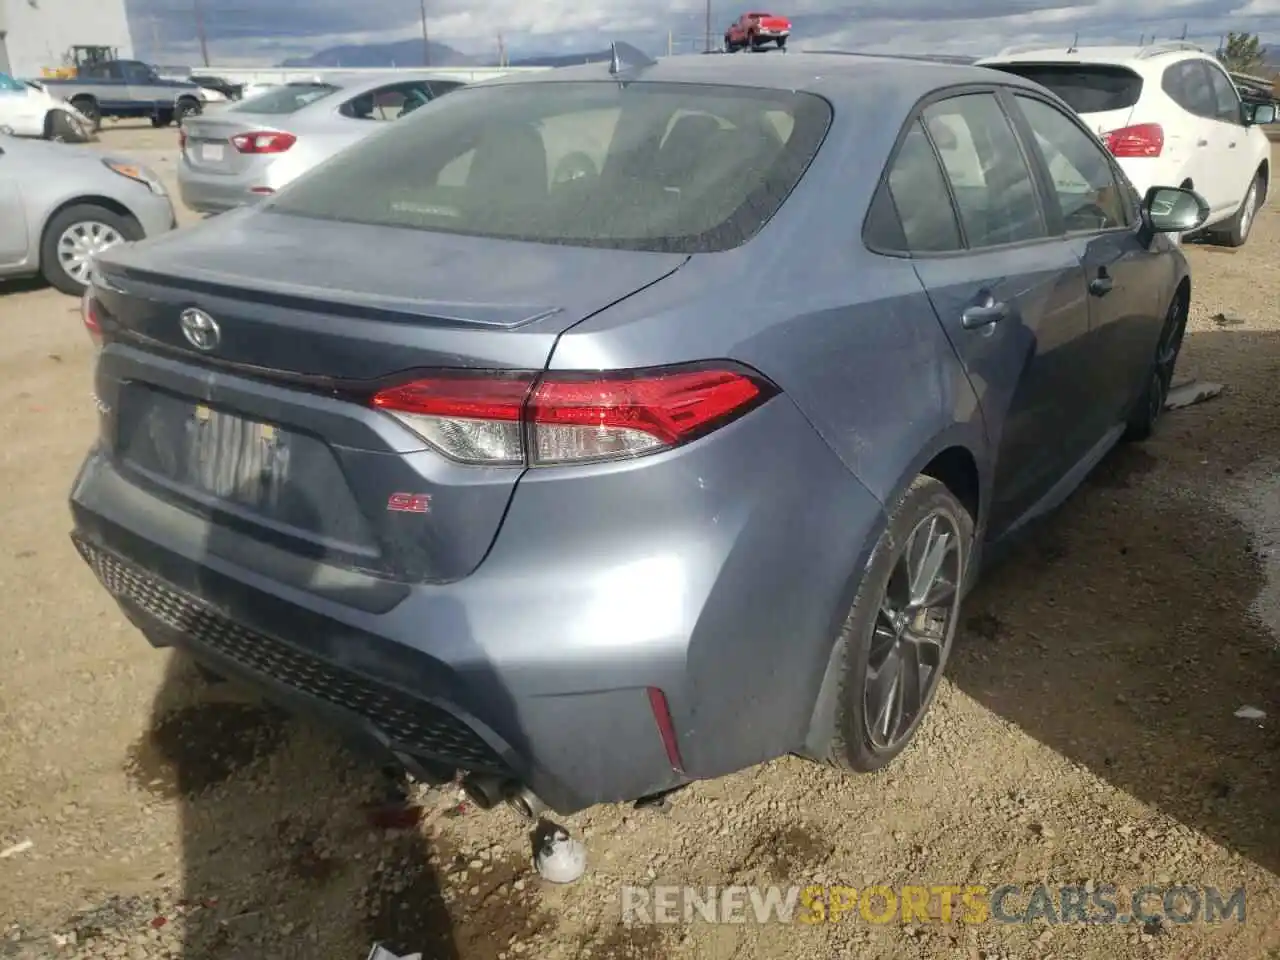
x,y
526,803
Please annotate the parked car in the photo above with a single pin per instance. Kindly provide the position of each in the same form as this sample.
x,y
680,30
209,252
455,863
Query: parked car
x,y
60,206
256,146
754,30
28,110
227,88
1171,115
130,89
601,483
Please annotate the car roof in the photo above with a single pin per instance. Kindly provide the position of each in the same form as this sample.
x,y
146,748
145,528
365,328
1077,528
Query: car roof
x,y
837,76
1129,56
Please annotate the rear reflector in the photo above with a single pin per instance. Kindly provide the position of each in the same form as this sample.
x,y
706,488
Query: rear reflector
x,y
515,419
1142,140
90,317
268,142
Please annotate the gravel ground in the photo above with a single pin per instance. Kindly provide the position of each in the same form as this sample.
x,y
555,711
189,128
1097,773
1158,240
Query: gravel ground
x,y
1087,732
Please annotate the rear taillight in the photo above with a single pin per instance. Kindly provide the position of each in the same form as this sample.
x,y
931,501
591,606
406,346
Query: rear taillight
x,y
1142,140
540,420
91,318
268,142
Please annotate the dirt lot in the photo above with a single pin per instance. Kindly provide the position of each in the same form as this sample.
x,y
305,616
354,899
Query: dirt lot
x,y
1087,732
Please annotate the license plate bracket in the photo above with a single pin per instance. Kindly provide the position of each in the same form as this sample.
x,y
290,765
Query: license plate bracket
x,y
212,151
234,458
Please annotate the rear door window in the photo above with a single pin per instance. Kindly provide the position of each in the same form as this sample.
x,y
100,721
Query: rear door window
x,y
285,99
688,168
1226,99
387,103
989,177
1085,88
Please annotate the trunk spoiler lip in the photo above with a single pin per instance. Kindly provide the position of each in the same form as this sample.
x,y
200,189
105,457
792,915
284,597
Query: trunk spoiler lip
x,y
365,305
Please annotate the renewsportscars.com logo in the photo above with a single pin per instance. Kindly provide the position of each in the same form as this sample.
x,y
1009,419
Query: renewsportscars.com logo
x,y
940,903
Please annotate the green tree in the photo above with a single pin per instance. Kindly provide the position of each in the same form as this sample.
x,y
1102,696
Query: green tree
x,y
1243,53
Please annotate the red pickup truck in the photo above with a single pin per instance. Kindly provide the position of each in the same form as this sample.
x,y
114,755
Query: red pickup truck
x,y
754,30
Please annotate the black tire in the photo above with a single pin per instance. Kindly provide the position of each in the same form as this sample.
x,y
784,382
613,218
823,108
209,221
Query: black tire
x,y
186,107
782,43
162,119
866,626
1150,406
1237,230
754,42
51,266
88,106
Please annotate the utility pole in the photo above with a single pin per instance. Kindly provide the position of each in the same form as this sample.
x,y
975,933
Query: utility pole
x,y
670,43
426,43
502,52
1184,32
204,42
708,48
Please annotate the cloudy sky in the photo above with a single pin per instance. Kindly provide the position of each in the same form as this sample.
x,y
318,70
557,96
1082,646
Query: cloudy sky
x,y
267,31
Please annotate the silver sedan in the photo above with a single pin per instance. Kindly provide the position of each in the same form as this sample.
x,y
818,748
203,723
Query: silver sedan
x,y
237,155
60,205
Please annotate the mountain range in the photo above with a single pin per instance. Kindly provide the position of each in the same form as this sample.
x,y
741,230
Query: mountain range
x,y
408,53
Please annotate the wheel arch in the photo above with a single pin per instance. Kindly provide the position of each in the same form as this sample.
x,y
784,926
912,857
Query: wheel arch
x,y
92,199
1264,171
952,461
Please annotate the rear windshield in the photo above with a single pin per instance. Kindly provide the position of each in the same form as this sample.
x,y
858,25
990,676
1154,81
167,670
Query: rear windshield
x,y
642,166
1086,88
289,98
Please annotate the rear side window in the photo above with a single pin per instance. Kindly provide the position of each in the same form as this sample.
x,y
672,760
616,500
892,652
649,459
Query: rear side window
x,y
920,197
289,98
989,177
1187,84
683,168
1085,88
440,87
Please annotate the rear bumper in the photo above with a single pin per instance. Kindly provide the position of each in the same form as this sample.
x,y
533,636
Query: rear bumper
x,y
218,193
723,588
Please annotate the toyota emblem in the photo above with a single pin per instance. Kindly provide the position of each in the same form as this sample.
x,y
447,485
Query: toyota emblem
x,y
200,329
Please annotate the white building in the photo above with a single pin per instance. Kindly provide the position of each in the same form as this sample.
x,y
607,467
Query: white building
x,y
35,34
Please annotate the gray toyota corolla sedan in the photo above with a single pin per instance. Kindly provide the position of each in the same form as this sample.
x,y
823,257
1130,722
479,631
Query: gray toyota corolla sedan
x,y
596,432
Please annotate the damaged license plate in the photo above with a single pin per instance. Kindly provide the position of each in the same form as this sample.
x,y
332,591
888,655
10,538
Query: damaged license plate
x,y
236,459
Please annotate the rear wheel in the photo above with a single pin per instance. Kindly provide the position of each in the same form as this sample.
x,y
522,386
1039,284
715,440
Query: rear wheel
x,y
89,108
1237,229
187,107
898,634
162,119
74,236
1146,413
782,43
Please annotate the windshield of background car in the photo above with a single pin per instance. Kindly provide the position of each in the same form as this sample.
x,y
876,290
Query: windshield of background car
x,y
685,168
289,98
1085,88
10,85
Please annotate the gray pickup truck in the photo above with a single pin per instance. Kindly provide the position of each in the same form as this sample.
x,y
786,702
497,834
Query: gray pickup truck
x,y
129,88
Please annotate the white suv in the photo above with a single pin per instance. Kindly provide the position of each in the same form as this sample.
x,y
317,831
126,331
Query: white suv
x,y
1170,115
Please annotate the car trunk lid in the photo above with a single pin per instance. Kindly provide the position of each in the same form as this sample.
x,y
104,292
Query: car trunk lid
x,y
271,431
208,145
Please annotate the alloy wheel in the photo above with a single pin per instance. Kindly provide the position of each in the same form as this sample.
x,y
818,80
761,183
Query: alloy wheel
x,y
913,630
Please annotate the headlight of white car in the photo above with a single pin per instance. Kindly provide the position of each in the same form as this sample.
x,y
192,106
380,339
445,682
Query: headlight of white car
x,y
135,171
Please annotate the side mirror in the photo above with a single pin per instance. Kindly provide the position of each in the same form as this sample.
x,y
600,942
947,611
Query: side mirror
x,y
1264,113
1173,210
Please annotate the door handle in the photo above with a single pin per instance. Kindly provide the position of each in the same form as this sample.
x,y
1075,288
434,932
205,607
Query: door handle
x,y
1231,145
984,314
1202,143
1101,285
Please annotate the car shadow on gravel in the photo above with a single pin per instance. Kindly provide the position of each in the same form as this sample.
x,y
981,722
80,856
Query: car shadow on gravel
x,y
294,845
1125,631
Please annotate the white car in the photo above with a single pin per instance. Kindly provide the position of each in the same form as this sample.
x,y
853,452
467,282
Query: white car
x,y
1170,115
28,110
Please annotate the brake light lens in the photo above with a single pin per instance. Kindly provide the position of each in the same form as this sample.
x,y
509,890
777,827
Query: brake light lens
x,y
91,318
1141,140
542,420
267,142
